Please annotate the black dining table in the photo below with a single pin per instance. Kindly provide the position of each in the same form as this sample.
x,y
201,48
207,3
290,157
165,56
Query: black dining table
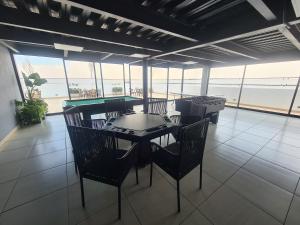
x,y
141,128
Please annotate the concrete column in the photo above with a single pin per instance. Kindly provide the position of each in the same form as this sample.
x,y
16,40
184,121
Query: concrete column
x,y
205,80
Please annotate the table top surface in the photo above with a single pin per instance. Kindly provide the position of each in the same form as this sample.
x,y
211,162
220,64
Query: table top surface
x,y
139,122
96,100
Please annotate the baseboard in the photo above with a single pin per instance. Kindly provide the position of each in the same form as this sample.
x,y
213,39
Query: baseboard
x,y
8,135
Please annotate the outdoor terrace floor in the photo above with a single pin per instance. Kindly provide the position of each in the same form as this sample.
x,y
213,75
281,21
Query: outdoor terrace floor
x,y
251,176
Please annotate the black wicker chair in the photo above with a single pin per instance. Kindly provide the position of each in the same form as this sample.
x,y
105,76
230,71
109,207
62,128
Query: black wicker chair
x,y
73,117
98,158
158,106
181,157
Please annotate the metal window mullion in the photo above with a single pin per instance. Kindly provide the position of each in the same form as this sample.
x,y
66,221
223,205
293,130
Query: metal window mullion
x,y
95,80
124,79
294,96
101,77
151,82
241,87
168,74
182,80
129,70
67,80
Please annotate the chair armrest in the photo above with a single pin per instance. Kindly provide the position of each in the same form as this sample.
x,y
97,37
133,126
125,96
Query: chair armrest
x,y
132,150
157,147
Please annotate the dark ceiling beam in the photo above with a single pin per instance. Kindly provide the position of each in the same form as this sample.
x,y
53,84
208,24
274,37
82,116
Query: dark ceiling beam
x,y
218,10
290,36
229,30
227,48
130,11
40,38
32,21
80,56
288,55
263,9
9,46
42,5
198,57
107,56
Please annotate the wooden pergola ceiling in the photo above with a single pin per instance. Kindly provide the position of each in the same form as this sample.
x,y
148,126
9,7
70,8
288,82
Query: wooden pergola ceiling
x,y
170,32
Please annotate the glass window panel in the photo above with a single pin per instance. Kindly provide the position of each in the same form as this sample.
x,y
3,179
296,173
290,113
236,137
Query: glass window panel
x,y
113,79
192,82
81,79
175,77
159,82
226,82
137,80
127,80
270,86
55,91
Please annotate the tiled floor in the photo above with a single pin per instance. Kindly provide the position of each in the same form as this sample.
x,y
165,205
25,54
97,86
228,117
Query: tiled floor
x,y
251,176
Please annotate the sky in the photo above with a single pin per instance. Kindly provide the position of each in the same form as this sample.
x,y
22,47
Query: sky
x,y
53,68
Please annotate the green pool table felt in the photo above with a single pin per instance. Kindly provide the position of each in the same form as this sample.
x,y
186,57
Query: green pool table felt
x,y
94,101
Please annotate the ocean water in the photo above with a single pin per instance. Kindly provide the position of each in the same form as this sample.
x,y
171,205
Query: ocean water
x,y
277,94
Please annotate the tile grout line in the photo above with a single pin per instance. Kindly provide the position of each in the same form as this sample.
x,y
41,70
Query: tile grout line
x,y
294,194
224,183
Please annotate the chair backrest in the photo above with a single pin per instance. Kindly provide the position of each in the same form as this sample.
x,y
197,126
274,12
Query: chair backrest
x,y
192,140
91,144
73,117
158,106
114,107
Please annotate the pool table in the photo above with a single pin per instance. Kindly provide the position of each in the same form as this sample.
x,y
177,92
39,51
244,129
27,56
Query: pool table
x,y
93,106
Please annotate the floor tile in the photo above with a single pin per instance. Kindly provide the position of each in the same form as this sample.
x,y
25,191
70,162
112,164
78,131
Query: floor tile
x,y
263,194
196,219
288,140
109,215
244,145
253,138
284,148
293,217
211,144
43,162
158,204
49,147
49,210
218,167
16,144
233,155
298,189
10,171
16,155
226,207
281,159
71,174
98,196
277,175
189,186
34,186
5,190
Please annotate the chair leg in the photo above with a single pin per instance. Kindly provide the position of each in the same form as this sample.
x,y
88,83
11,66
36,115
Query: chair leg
x,y
178,196
136,174
151,171
119,202
159,140
82,192
200,180
168,139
